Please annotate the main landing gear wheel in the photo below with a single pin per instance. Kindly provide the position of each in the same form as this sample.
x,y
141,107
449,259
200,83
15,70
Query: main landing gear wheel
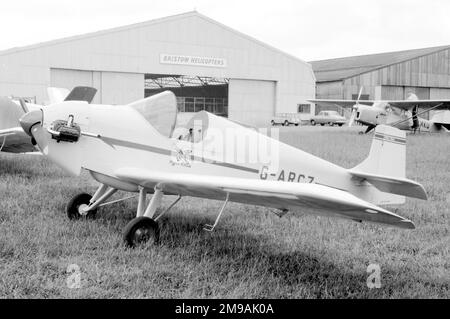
x,y
75,206
141,230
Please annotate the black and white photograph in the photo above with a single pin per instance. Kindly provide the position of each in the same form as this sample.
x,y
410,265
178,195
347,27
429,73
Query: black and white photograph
x,y
225,155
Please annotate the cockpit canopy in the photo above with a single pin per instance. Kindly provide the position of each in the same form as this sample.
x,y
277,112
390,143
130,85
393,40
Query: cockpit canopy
x,y
160,110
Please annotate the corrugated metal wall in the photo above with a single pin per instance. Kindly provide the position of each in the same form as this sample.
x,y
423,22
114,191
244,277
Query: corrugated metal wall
x,y
390,92
428,77
429,71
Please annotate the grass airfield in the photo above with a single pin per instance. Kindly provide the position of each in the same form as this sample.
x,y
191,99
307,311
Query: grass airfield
x,y
251,254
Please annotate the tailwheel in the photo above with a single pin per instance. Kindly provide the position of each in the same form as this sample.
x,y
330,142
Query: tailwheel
x,y
141,230
75,208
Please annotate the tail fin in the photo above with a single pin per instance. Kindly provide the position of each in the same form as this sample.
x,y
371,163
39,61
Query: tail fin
x,y
387,154
385,167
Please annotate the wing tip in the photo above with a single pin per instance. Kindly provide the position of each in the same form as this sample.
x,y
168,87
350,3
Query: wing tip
x,y
406,224
422,193
418,192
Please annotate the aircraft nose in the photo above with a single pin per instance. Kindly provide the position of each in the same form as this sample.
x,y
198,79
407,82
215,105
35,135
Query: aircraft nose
x,y
28,120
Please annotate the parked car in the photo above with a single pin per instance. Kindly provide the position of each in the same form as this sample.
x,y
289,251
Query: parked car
x,y
285,120
328,117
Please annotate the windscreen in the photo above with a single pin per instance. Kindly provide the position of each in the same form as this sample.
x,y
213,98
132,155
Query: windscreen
x,y
160,110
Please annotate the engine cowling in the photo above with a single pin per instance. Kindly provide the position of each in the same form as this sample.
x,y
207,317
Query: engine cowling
x,y
370,115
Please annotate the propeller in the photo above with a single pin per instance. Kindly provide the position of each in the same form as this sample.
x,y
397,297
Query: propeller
x,y
24,105
355,109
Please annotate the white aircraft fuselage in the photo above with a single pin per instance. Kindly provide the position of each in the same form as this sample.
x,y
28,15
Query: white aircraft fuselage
x,y
128,140
122,150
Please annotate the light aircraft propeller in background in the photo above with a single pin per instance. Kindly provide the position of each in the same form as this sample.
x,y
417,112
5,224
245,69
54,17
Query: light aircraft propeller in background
x,y
355,109
132,148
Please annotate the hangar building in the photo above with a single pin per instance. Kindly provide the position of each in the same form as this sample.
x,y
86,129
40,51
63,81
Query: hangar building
x,y
393,75
206,64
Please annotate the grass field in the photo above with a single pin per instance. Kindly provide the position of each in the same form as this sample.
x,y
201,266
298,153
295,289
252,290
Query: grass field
x,y
252,253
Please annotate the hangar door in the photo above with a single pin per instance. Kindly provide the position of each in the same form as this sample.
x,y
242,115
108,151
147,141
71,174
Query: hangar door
x,y
113,87
251,101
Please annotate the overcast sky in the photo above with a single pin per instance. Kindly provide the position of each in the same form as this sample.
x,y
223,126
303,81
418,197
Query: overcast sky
x,y
308,29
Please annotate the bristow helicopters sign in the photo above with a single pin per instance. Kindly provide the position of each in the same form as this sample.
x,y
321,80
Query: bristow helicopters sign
x,y
192,60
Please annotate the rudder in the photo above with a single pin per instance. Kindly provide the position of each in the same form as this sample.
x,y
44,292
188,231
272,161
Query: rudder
x,y
385,168
387,154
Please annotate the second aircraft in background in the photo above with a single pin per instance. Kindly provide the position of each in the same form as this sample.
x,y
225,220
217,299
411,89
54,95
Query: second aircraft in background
x,y
402,114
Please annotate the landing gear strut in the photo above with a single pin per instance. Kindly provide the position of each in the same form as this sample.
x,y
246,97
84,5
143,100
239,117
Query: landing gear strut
x,y
144,228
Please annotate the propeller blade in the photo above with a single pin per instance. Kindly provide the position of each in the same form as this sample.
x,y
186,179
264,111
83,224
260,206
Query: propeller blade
x,y
359,95
24,106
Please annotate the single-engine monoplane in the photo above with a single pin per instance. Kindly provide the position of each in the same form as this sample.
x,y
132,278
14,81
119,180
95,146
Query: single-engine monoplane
x,y
402,114
135,148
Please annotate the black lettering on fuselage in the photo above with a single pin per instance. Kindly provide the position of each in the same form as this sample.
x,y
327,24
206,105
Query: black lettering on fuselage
x,y
263,173
291,177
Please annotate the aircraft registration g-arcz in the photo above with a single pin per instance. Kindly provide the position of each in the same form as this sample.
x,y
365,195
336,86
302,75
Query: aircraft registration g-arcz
x,y
132,148
403,114
13,138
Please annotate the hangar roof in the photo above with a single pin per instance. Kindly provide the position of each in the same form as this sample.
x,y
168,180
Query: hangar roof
x,y
343,68
141,25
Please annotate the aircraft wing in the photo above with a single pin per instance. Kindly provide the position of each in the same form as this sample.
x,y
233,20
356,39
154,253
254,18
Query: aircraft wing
x,y
341,103
15,140
409,104
275,194
402,104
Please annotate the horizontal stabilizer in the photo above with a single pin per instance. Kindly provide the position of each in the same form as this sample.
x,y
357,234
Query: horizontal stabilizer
x,y
393,185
